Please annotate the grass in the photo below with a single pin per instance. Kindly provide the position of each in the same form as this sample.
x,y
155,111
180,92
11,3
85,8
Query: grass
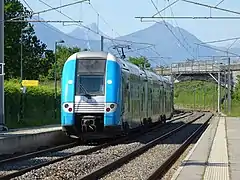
x,y
201,95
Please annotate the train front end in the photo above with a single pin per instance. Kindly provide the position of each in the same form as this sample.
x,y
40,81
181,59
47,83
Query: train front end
x,y
90,102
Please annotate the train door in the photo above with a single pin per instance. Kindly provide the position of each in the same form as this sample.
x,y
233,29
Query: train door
x,y
150,100
126,99
142,110
163,99
160,100
129,103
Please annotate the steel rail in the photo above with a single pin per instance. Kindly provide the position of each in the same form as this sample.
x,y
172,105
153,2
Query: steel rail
x,y
119,162
159,173
36,153
87,151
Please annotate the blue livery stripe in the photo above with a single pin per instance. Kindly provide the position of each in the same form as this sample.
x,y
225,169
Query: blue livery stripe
x,y
112,92
68,89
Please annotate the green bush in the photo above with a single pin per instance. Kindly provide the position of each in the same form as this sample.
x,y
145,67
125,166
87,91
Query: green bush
x,y
37,105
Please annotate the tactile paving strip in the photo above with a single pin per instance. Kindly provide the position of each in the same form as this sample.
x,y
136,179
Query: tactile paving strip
x,y
217,166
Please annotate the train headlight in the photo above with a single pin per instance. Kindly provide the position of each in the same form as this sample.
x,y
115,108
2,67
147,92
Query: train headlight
x,y
66,105
112,106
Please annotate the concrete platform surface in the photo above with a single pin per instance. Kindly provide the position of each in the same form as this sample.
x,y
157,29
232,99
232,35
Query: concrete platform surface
x,y
216,155
29,139
233,141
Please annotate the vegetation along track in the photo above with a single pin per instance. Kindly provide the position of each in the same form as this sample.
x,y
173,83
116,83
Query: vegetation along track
x,y
17,168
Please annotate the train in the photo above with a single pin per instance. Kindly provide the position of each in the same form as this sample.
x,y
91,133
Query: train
x,y
105,96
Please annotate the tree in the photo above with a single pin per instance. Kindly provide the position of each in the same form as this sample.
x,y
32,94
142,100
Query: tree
x,y
63,53
140,61
33,64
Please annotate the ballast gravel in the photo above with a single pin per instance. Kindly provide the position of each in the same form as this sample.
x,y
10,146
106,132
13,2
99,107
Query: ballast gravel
x,y
78,166
15,166
144,165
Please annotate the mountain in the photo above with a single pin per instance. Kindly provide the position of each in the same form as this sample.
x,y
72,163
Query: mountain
x,y
49,35
180,46
83,33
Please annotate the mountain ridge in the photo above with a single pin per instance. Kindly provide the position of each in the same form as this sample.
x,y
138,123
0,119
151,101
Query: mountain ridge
x,y
159,34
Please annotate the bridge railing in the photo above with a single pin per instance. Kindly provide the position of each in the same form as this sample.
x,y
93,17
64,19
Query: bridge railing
x,y
204,66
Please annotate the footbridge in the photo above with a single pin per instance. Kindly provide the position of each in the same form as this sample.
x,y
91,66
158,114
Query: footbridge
x,y
207,70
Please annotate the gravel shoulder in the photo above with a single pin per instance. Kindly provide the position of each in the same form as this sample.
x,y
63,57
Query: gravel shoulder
x,y
78,166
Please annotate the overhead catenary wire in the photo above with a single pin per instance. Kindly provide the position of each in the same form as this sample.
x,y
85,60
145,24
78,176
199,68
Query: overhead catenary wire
x,y
47,10
65,5
171,30
80,24
212,7
103,19
238,55
192,17
221,40
165,8
28,5
199,17
184,38
219,3
157,53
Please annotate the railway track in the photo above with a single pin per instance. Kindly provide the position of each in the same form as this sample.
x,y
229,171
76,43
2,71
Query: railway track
x,y
166,165
86,151
125,159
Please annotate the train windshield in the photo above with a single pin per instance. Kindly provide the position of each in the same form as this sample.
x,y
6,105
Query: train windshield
x,y
90,77
90,85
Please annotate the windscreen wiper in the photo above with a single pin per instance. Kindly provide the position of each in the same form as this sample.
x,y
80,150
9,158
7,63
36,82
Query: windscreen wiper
x,y
85,91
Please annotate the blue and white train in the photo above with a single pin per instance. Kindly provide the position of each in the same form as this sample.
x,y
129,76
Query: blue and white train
x,y
103,95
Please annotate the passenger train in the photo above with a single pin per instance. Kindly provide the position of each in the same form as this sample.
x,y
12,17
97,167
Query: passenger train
x,y
104,95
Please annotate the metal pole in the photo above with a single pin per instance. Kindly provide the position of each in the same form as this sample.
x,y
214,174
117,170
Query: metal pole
x,y
225,90
229,87
204,97
219,88
102,39
55,83
194,98
21,51
2,113
214,91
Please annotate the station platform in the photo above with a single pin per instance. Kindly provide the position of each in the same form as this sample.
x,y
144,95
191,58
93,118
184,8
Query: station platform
x,y
29,139
216,155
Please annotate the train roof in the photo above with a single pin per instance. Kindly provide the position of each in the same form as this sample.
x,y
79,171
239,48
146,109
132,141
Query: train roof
x,y
92,54
167,79
132,68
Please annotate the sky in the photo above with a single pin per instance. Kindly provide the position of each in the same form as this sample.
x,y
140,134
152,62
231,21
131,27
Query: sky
x,y
117,17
